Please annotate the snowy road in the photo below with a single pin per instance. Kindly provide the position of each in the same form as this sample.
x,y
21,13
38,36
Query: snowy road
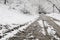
x,y
51,23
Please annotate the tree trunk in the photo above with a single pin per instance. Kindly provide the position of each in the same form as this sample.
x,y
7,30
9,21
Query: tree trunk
x,y
5,1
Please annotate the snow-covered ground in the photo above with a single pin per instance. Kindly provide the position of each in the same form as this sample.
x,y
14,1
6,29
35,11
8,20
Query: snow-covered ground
x,y
12,16
56,16
8,16
11,34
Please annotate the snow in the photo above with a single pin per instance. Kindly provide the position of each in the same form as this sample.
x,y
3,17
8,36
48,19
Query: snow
x,y
8,16
50,29
54,15
11,34
12,16
41,24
